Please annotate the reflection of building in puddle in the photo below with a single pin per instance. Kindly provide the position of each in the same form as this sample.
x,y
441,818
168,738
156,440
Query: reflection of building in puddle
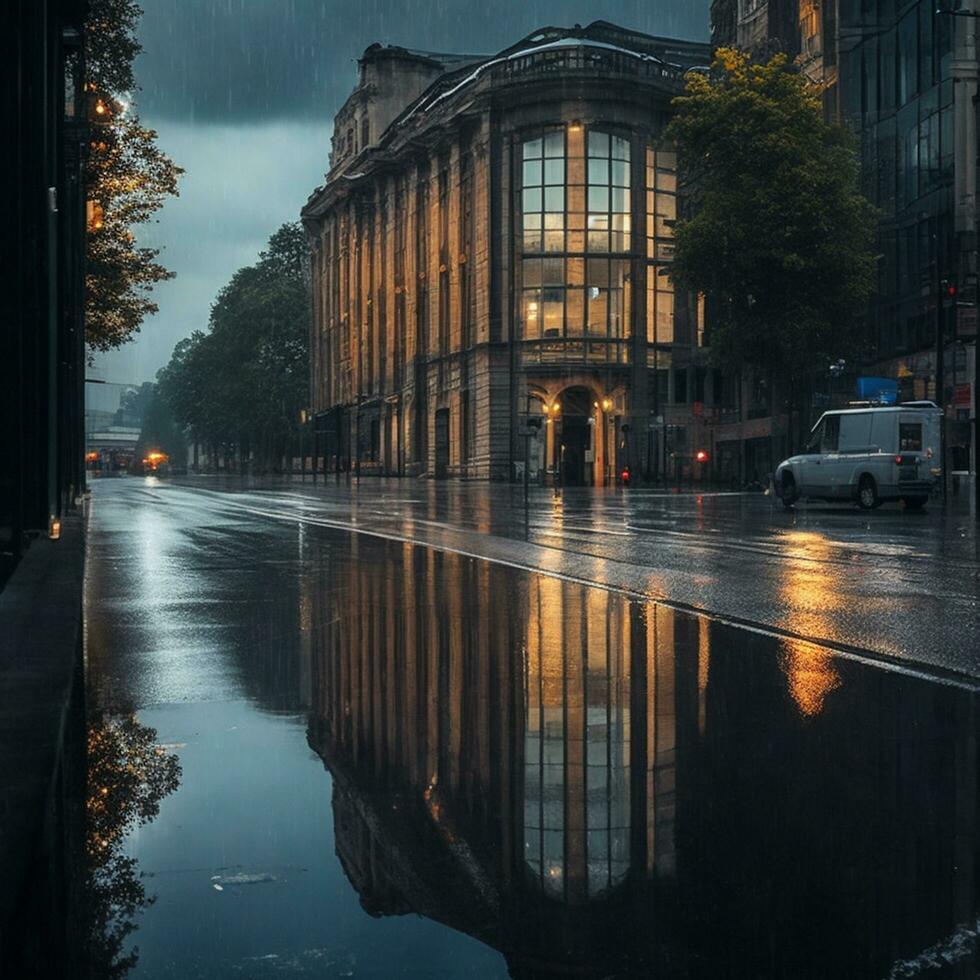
x,y
815,599
582,782
576,741
480,728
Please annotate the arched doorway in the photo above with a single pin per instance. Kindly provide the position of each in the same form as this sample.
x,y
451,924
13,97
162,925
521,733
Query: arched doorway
x,y
575,448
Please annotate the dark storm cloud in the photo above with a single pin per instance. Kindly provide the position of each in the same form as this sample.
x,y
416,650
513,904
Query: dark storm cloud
x,y
263,59
243,94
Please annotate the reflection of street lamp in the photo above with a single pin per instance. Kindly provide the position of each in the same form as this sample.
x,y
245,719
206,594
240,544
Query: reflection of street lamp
x,y
553,410
303,419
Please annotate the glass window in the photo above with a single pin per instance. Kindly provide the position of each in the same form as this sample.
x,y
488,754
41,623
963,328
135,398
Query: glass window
x,y
828,434
554,199
543,194
554,171
908,55
609,193
661,212
598,144
554,144
598,201
598,171
886,71
927,70
575,199
532,173
531,314
553,272
910,436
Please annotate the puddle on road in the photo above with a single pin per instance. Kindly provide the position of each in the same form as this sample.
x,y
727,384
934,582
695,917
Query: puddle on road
x,y
429,766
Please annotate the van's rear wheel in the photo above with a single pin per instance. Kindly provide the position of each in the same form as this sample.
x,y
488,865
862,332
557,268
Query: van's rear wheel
x,y
788,493
867,495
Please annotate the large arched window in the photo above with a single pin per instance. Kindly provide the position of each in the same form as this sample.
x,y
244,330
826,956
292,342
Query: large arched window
x,y
576,238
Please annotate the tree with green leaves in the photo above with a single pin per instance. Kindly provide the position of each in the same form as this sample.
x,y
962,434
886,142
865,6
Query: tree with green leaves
x,y
159,431
128,178
239,388
775,233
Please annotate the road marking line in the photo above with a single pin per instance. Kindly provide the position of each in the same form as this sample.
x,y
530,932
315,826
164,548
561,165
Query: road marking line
x,y
860,655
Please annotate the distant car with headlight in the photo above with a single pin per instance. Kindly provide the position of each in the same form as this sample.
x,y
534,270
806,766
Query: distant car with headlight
x,y
154,463
867,455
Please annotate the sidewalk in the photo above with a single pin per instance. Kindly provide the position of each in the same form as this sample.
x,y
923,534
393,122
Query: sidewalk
x,y
42,754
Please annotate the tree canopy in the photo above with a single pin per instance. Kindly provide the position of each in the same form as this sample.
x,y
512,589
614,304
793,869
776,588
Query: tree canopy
x,y
775,232
242,384
158,429
128,178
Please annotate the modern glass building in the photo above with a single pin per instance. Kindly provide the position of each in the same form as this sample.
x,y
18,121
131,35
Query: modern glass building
x,y
902,75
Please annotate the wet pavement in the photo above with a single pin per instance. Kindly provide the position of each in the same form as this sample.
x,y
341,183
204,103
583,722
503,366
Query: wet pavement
x,y
900,585
406,761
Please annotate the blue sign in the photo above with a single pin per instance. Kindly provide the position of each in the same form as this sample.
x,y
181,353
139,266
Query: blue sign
x,y
884,391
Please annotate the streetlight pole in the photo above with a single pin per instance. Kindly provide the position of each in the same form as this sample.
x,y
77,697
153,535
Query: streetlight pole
x,y
527,456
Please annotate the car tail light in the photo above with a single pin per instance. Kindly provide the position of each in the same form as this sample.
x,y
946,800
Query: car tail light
x,y
898,460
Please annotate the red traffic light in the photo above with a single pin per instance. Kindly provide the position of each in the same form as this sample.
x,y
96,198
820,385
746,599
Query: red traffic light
x,y
701,456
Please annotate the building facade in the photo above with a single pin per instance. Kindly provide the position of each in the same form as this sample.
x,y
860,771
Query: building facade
x,y
42,356
902,75
491,248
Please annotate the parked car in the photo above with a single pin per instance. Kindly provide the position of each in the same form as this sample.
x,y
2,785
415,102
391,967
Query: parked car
x,y
868,455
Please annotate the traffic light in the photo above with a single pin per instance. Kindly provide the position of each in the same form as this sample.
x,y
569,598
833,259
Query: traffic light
x,y
701,456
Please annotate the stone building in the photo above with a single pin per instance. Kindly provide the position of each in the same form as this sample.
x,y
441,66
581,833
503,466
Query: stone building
x,y
492,247
902,76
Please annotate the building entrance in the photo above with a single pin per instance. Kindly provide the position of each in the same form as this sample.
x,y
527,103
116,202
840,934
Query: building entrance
x,y
576,449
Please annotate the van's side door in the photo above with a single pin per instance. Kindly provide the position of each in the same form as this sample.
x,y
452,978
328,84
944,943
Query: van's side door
x,y
853,448
818,479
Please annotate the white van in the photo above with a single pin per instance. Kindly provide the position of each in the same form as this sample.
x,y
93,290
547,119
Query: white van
x,y
868,455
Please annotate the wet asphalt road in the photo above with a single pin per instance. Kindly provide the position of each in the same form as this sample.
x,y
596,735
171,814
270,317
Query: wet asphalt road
x,y
405,761
903,586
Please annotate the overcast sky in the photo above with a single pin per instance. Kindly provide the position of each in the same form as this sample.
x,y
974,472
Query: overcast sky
x,y
242,94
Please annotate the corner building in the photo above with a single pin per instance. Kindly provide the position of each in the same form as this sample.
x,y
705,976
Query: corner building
x,y
492,245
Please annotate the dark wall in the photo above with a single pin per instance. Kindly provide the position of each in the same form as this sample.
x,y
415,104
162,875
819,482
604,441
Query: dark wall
x,y
42,354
